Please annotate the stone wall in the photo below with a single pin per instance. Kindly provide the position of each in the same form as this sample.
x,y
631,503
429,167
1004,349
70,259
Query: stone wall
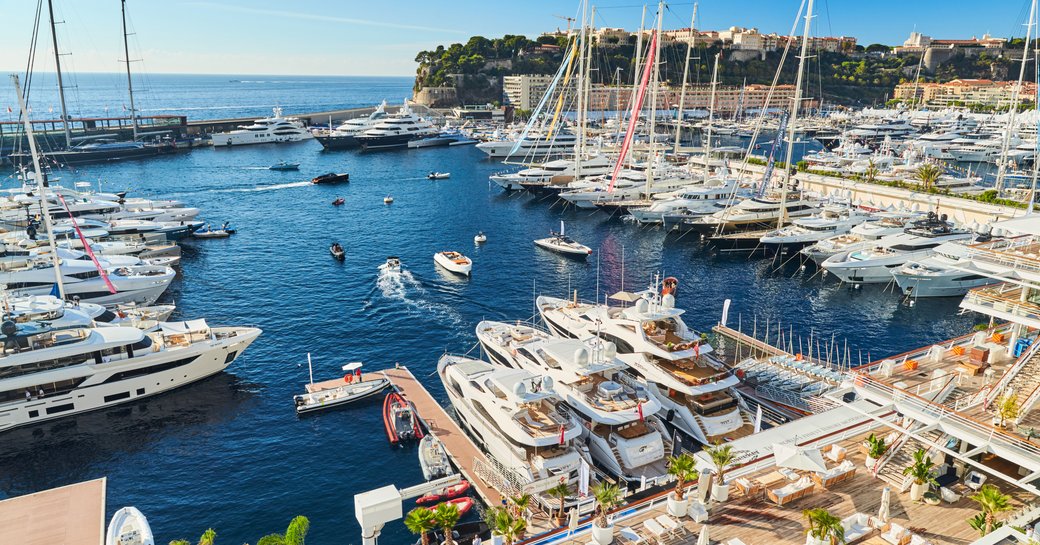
x,y
437,97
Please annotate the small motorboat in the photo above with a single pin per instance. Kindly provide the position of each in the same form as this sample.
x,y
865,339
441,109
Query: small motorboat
x,y
129,527
562,244
388,200
339,201
338,392
454,262
481,238
438,175
163,261
464,504
283,165
392,265
208,231
443,494
400,419
331,178
337,251
433,459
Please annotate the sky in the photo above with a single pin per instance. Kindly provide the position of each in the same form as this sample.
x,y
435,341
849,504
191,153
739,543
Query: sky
x,y
381,38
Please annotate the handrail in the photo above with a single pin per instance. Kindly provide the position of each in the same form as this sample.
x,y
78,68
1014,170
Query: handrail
x,y
1031,400
1012,372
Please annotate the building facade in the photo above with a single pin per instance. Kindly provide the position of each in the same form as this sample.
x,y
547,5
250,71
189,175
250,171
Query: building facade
x,y
964,92
524,91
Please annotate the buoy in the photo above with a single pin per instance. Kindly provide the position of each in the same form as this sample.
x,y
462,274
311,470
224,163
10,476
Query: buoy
x,y
388,199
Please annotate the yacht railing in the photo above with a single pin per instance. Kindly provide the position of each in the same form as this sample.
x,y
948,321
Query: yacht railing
x,y
1003,298
1005,379
1019,253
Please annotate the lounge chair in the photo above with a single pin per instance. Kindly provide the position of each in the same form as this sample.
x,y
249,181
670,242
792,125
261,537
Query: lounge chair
x,y
918,540
975,480
837,453
857,526
837,474
792,492
896,535
697,511
948,495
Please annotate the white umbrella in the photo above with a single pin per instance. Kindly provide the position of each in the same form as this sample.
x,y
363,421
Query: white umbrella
x,y
886,499
794,457
572,519
702,538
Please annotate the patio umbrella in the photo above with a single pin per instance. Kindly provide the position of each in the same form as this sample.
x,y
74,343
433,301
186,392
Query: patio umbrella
x,y
794,457
572,519
886,500
702,538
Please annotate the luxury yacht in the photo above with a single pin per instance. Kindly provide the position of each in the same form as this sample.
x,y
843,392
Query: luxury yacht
x,y
344,136
622,434
552,175
48,373
829,221
532,145
395,131
752,213
268,130
514,415
948,272
678,367
141,284
875,264
859,237
697,200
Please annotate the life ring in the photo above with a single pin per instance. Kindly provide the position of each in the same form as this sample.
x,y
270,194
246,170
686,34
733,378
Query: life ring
x,y
669,286
348,378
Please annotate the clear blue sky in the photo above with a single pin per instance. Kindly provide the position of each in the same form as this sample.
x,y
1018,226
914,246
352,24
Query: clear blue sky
x,y
363,37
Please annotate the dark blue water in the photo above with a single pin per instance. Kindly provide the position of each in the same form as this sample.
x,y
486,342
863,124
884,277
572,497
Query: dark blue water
x,y
231,454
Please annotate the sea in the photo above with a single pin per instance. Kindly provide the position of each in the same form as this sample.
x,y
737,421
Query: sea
x,y
229,452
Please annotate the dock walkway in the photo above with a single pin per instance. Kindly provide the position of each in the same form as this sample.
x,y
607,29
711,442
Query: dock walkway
x,y
460,448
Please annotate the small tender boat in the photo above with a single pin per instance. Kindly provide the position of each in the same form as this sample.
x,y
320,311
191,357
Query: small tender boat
x,y
433,459
480,238
209,232
338,392
283,165
399,419
388,200
454,262
331,178
337,251
448,493
392,265
464,504
438,175
129,527
163,261
339,201
562,244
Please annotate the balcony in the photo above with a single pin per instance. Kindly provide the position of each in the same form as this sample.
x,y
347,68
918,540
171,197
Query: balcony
x,y
1004,301
1019,254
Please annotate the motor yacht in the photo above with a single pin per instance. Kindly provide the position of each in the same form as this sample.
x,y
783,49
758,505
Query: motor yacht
x,y
269,130
344,136
949,272
395,131
454,262
534,144
828,222
141,284
861,236
752,213
563,244
696,200
552,176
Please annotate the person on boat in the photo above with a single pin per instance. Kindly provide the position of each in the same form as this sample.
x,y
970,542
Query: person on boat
x,y
357,374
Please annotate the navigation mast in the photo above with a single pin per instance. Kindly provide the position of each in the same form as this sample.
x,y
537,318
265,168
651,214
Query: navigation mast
x,y
61,85
129,81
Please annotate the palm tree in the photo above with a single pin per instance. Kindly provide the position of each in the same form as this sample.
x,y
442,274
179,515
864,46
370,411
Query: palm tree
x,y
871,171
560,491
1007,408
824,526
608,496
295,533
207,538
991,501
419,521
683,468
505,524
721,456
520,504
927,175
447,515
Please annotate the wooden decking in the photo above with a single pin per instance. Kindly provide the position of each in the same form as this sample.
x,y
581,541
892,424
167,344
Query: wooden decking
x,y
69,515
460,448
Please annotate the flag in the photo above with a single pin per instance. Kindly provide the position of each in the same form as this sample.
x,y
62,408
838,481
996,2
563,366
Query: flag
x,y
758,419
639,407
8,109
86,247
563,432
55,292
583,478
697,350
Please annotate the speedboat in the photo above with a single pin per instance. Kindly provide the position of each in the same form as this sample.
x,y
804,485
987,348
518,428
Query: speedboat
x,y
399,419
392,265
209,232
129,527
337,251
439,175
388,200
339,201
331,178
283,165
562,244
454,262
433,459
340,391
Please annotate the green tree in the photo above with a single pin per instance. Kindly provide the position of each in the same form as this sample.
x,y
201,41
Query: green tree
x,y
447,515
721,456
207,538
871,171
1008,408
683,468
560,491
295,533
824,526
927,175
420,521
991,502
608,496
520,504
505,524
921,468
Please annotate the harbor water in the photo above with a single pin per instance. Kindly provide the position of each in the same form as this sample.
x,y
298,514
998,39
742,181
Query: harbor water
x,y
230,452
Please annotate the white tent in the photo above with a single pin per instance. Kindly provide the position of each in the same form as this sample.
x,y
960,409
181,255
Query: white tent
x,y
794,457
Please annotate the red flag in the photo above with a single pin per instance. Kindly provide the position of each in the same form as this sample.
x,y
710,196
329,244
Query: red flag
x,y
634,117
563,431
639,407
86,246
697,350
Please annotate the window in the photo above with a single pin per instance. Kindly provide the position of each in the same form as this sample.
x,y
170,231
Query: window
x,y
60,408
117,397
230,357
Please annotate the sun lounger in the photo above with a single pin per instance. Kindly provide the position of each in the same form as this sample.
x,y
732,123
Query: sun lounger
x,y
837,474
792,492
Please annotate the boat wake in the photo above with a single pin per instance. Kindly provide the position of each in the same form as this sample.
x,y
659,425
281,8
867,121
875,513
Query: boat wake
x,y
263,187
404,287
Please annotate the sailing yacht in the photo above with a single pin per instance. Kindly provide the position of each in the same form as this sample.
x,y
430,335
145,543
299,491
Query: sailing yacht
x,y
515,417
48,373
396,131
344,136
269,130
679,369
617,414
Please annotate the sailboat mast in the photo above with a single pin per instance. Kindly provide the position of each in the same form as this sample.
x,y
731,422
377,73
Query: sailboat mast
x,y
129,80
1013,107
41,185
685,78
711,117
794,115
636,71
61,85
654,88
579,144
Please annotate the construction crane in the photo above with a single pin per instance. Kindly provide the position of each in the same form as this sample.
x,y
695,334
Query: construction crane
x,y
568,19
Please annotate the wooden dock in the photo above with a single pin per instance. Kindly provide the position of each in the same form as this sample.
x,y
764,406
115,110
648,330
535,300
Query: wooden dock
x,y
753,345
460,448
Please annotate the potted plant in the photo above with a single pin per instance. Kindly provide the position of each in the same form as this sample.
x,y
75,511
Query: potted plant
x,y
921,472
607,497
560,491
876,448
506,528
721,456
1007,408
296,533
931,498
420,521
683,468
991,501
520,504
824,528
446,516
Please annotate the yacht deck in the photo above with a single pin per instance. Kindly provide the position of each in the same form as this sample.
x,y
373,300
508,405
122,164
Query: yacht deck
x,y
69,515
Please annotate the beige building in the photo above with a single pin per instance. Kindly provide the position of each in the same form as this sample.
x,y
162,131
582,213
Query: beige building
x,y
524,91
964,92
607,34
918,43
728,98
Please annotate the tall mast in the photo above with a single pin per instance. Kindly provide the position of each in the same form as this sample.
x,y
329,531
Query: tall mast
x,y
1013,107
41,185
61,86
1036,147
654,88
685,77
711,117
794,115
129,81
639,60
583,39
